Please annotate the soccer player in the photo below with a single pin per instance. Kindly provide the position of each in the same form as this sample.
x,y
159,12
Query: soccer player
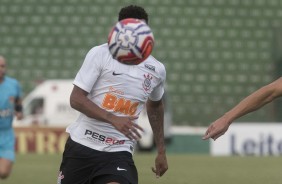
x,y
10,104
110,95
251,103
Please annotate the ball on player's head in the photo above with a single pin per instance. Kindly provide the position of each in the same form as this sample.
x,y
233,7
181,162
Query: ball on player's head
x,y
131,41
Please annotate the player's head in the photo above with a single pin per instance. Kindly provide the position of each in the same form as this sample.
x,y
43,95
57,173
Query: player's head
x,y
2,67
133,11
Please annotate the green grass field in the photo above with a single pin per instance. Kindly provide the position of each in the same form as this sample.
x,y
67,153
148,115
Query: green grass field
x,y
183,169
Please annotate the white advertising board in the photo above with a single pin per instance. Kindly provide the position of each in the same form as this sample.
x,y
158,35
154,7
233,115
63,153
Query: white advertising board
x,y
249,139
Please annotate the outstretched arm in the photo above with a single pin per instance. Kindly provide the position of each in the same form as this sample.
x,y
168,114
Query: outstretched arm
x,y
155,110
251,103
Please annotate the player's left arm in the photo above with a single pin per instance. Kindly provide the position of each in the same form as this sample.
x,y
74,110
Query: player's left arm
x,y
18,103
155,110
18,108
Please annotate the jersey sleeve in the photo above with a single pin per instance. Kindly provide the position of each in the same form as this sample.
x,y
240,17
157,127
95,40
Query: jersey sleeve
x,y
89,71
158,91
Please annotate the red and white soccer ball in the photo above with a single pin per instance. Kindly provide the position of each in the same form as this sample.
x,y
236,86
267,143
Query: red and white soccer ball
x,y
131,41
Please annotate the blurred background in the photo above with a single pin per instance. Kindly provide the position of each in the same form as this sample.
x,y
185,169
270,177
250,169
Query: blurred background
x,y
216,52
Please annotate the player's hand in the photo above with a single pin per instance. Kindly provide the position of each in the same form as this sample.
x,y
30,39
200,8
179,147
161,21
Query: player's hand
x,y
19,115
160,165
217,129
127,126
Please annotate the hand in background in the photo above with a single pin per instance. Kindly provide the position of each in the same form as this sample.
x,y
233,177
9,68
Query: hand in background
x,y
19,115
217,129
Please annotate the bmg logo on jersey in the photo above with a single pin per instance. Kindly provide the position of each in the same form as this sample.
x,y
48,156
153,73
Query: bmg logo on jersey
x,y
102,138
121,105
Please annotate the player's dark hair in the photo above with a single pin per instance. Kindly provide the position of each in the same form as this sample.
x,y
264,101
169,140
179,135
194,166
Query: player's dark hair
x,y
133,11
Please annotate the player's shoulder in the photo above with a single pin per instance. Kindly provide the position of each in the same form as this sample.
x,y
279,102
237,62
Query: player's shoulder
x,y
11,80
153,61
155,65
100,55
101,49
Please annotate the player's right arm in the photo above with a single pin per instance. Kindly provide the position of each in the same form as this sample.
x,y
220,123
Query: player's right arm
x,y
251,103
126,125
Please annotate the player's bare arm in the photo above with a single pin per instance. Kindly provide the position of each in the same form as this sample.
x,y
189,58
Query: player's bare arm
x,y
126,125
18,108
251,103
155,110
